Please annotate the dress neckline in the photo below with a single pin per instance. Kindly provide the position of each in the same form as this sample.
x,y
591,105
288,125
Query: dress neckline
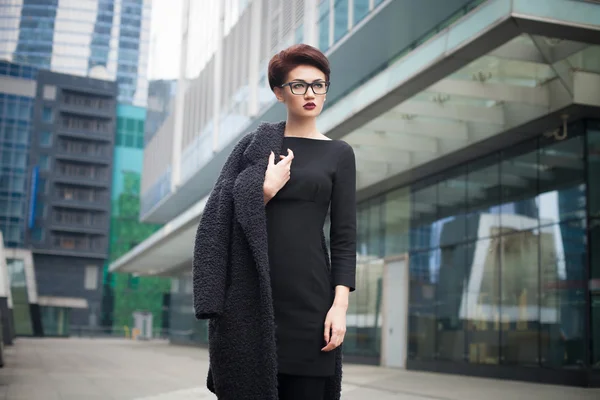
x,y
306,138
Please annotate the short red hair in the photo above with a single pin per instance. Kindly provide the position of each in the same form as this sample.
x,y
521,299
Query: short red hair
x,y
299,54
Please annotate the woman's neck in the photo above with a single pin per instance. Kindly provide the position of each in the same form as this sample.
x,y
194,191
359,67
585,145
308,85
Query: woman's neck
x,y
301,127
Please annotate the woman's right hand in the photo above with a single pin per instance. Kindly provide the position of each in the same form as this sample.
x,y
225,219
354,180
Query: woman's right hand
x,y
277,175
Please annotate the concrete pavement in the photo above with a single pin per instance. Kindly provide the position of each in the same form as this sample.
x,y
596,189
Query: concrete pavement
x,y
115,369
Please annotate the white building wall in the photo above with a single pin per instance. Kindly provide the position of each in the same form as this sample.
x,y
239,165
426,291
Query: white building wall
x,y
223,84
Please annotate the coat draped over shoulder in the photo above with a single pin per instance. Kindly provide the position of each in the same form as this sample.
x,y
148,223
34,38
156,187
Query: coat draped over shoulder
x,y
231,278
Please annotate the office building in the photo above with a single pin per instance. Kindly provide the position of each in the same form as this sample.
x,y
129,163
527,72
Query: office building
x,y
71,161
104,39
476,133
125,294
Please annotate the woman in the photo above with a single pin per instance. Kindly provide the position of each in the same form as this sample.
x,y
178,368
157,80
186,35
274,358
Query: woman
x,y
276,304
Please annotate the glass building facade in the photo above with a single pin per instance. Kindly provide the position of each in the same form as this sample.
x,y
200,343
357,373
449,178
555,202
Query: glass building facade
x,y
123,294
105,39
15,134
500,251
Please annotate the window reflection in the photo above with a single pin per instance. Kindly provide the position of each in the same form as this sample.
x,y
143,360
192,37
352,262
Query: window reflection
x,y
518,296
563,262
497,258
396,212
422,331
450,291
519,186
483,197
479,306
562,183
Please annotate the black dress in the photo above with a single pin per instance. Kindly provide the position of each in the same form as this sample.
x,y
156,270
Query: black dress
x,y
323,173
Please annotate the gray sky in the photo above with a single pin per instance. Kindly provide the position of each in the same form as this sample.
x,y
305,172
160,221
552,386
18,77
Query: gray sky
x,y
165,36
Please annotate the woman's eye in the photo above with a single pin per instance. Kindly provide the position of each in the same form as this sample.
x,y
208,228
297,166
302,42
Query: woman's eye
x,y
319,85
298,85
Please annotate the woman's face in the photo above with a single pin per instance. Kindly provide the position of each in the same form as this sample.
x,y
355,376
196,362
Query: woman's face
x,y
298,103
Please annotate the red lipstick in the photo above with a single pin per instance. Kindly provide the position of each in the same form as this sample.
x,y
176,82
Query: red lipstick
x,y
310,106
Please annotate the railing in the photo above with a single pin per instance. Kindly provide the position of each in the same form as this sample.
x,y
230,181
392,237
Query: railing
x,y
81,195
79,219
157,192
92,103
89,125
77,243
464,10
83,149
82,171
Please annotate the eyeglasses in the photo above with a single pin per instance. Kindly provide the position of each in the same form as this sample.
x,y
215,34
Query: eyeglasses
x,y
301,87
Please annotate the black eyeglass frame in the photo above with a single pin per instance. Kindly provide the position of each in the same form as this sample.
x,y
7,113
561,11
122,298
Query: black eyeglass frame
x,y
308,85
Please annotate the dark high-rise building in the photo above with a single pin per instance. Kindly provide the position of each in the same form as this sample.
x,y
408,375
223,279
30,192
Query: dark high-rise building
x,y
70,162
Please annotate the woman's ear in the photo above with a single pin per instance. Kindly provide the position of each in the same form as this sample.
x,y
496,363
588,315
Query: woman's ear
x,y
279,94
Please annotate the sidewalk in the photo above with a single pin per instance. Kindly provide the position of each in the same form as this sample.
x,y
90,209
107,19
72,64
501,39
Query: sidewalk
x,y
114,369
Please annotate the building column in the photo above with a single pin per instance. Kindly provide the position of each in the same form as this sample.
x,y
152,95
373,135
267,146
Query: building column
x,y
311,18
180,101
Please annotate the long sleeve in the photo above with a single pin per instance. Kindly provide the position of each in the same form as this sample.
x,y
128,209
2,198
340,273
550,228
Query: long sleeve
x,y
343,221
213,238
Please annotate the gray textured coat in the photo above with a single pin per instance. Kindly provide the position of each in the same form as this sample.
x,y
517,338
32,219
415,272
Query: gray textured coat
x,y
231,276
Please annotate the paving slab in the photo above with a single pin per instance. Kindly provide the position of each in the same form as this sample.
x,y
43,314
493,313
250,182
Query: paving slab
x,y
119,369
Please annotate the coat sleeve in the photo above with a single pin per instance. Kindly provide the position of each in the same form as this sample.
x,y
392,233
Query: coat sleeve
x,y
213,238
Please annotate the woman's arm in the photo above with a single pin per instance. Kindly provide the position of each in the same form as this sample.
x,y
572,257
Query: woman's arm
x,y
343,247
343,222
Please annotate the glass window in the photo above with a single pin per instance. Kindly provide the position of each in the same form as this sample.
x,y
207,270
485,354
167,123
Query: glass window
x,y
593,138
519,297
423,217
55,320
46,139
129,140
140,142
37,234
120,124
595,290
91,277
18,288
482,309
422,329
361,9
44,162
130,125
562,181
396,212
450,228
324,25
22,135
483,198
20,160
519,183
563,293
24,110
340,13
47,114
451,282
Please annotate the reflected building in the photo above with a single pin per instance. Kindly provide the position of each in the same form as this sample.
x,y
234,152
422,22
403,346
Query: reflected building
x,y
103,39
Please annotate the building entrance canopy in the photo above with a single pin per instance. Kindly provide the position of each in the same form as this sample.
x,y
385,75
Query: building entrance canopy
x,y
509,70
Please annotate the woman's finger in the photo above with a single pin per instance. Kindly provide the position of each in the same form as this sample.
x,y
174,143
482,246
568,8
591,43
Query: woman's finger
x,y
327,331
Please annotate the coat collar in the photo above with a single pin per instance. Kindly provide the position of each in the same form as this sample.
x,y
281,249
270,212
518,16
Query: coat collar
x,y
267,137
248,194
